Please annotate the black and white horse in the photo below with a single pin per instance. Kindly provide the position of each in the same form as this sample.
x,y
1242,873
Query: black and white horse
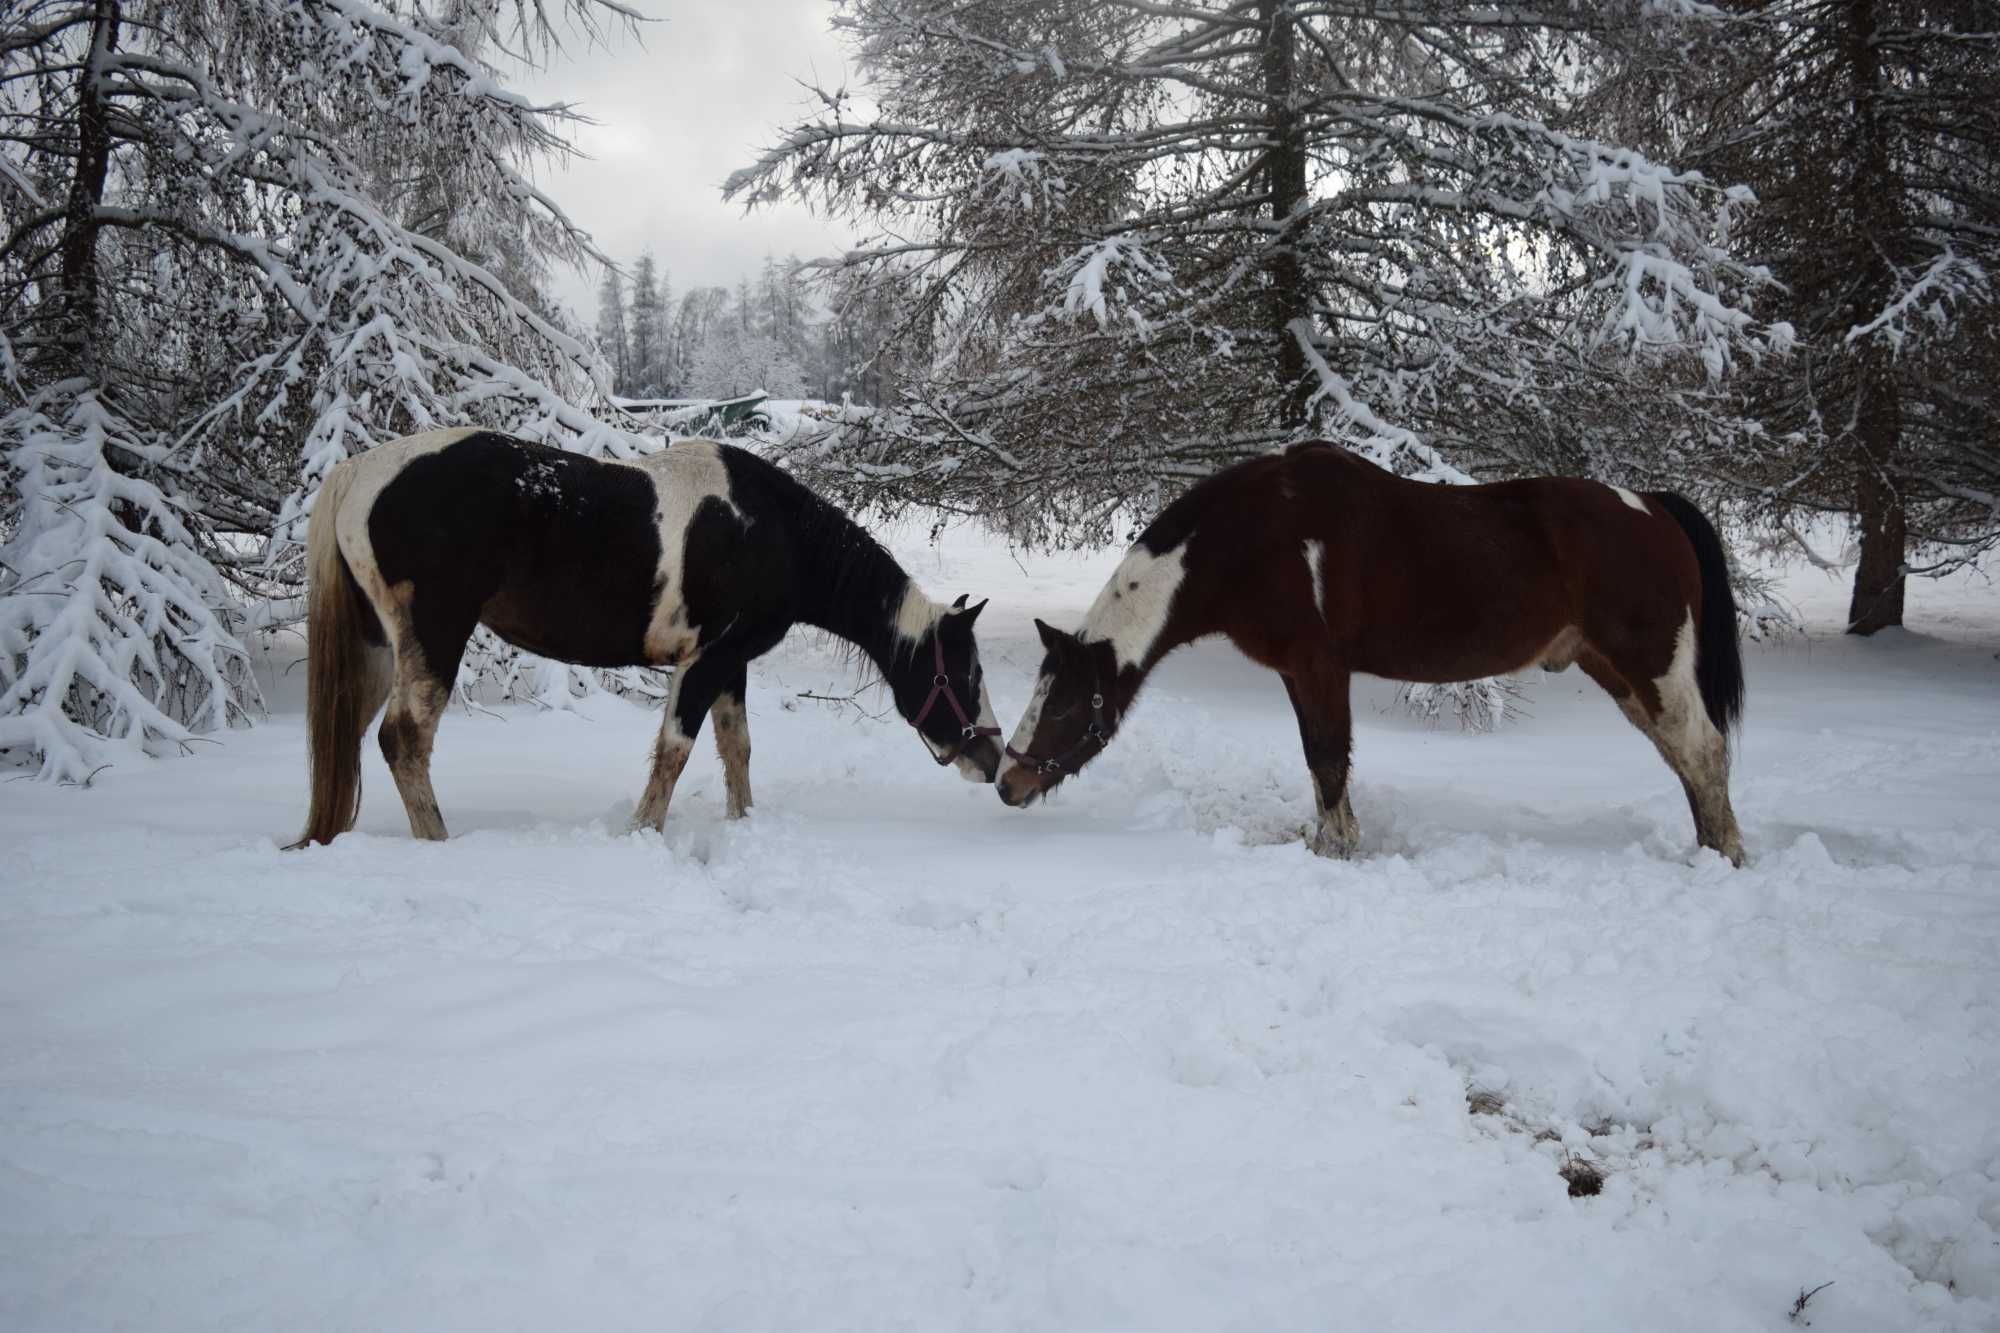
x,y
699,558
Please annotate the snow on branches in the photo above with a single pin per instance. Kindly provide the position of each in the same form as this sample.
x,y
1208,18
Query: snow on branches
x,y
1211,228
114,636
259,236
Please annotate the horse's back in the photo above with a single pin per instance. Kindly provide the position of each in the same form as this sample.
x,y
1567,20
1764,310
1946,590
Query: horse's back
x,y
556,551
1434,582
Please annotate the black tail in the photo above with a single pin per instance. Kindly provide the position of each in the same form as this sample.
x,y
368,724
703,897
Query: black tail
x,y
1718,659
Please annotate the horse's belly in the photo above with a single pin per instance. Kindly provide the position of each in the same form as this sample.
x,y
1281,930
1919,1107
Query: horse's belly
x,y
568,625
577,592
1439,654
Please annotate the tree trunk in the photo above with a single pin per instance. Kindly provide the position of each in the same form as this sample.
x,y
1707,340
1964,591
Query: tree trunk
x,y
1285,170
1878,426
1879,580
80,316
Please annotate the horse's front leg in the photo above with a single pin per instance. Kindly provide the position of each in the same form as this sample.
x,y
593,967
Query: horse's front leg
x,y
692,693
732,739
1326,728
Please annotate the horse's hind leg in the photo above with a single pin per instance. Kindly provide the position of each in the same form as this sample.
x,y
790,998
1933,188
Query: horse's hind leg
x,y
409,728
1326,729
732,740
1671,713
426,664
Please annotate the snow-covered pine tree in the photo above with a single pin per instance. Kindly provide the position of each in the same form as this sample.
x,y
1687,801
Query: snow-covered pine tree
x,y
734,361
669,355
1870,130
699,316
645,325
1149,240
613,329
245,239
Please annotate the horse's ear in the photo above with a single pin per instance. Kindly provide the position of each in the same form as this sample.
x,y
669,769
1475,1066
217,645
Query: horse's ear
x,y
1051,636
959,605
972,612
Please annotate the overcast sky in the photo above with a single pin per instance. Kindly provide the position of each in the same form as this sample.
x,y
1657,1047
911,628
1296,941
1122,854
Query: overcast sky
x,y
697,96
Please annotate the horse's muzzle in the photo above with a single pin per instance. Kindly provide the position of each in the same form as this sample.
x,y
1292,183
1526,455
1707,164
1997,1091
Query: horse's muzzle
x,y
1019,786
979,760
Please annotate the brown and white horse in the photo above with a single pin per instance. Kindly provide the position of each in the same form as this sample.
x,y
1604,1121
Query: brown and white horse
x,y
699,557
1317,564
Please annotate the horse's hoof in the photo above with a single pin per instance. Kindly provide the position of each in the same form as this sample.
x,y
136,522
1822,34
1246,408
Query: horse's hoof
x,y
1331,847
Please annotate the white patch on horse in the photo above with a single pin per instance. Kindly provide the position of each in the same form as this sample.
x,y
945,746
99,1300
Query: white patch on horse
x,y
684,476
916,614
1693,746
373,471
1131,610
1315,564
966,768
1024,734
1683,721
1631,498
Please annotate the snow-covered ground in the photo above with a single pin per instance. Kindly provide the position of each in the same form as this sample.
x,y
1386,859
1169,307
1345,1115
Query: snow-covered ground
x,y
890,1055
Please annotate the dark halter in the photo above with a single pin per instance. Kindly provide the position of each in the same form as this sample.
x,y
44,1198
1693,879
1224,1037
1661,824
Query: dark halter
x,y
968,730
1097,734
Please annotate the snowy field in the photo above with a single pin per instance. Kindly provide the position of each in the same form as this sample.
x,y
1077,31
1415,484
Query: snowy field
x,y
888,1055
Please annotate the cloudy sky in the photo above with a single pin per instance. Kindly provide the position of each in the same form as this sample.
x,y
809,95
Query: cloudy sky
x,y
699,94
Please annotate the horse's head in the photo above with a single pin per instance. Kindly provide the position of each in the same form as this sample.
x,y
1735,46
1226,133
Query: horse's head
x,y
1074,711
942,691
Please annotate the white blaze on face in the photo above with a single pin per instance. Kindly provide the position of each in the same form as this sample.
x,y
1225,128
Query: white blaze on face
x,y
1024,734
1316,566
1631,498
684,475
967,769
1131,609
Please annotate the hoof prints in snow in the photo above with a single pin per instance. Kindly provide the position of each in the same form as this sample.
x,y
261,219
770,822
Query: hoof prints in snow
x,y
1582,1174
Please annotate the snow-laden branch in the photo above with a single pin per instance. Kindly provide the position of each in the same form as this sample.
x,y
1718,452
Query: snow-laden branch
x,y
319,231
113,639
1949,280
1389,446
